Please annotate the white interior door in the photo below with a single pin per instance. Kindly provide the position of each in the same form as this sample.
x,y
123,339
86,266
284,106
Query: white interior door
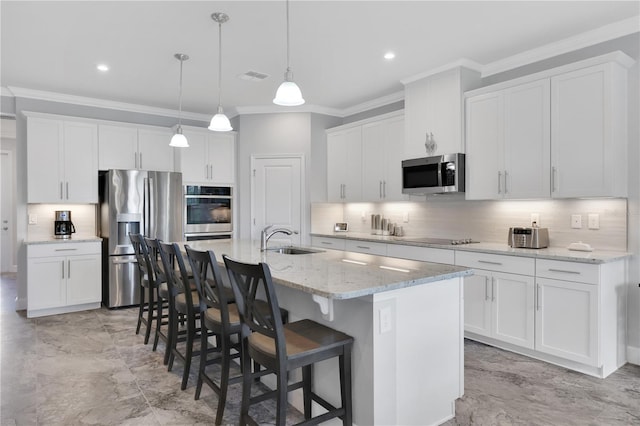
x,y
7,225
276,197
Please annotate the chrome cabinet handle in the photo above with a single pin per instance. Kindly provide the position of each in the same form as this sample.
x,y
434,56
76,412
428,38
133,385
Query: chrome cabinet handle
x,y
537,295
499,179
384,189
489,262
493,289
564,271
380,189
67,249
61,194
505,182
68,269
67,190
486,288
554,176
326,243
364,247
140,154
62,269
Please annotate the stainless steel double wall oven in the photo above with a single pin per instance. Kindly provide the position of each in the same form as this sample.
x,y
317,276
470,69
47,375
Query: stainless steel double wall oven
x,y
208,212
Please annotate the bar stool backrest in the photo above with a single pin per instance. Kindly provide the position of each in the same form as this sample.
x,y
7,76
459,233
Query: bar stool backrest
x,y
208,279
247,281
177,279
153,250
142,256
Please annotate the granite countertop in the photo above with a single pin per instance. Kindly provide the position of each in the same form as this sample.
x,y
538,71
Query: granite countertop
x,y
52,240
334,274
551,253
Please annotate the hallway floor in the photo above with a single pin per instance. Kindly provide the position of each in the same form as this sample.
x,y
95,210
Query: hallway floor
x,y
91,368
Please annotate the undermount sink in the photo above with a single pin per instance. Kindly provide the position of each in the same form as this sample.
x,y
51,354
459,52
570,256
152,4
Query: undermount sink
x,y
294,250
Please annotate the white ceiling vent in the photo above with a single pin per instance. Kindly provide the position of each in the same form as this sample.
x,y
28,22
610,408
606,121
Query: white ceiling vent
x,y
253,76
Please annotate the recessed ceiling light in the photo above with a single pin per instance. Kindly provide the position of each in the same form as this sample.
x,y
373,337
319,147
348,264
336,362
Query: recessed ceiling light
x,y
102,67
389,56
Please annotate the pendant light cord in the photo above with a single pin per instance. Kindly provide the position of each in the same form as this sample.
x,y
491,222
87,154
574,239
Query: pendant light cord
x,y
219,63
180,95
288,62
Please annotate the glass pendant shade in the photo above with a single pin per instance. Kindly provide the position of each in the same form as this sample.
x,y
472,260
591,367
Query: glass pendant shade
x,y
288,93
179,140
220,122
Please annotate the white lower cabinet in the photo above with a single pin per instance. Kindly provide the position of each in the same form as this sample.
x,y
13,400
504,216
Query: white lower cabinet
x,y
425,254
567,320
63,277
368,247
328,243
499,304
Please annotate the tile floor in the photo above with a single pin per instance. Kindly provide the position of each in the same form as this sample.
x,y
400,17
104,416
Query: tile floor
x,y
90,368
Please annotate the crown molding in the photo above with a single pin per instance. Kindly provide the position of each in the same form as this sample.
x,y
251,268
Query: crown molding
x,y
462,62
374,103
586,39
273,109
4,91
42,95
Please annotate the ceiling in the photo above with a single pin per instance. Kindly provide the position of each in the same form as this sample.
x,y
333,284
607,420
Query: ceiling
x,y
337,47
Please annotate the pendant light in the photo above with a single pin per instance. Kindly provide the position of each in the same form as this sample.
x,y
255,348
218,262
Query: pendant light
x,y
179,140
288,93
220,122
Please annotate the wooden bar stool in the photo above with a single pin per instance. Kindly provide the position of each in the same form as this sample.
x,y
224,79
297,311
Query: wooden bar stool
x,y
162,297
284,347
147,309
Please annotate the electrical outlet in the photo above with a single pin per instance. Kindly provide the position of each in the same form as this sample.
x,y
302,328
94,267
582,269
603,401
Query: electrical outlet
x,y
405,217
535,217
593,221
33,219
385,319
576,221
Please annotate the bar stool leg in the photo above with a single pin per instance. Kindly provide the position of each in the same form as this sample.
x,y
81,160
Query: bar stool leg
x,y
150,313
306,390
345,385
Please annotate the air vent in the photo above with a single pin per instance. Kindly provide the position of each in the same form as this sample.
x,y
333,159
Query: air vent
x,y
253,76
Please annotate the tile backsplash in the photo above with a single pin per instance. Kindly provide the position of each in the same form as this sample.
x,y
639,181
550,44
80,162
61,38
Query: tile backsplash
x,y
488,221
83,217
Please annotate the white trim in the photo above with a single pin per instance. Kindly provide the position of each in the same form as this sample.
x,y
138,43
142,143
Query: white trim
x,y
633,355
618,57
374,103
272,109
4,91
462,62
358,123
586,39
101,103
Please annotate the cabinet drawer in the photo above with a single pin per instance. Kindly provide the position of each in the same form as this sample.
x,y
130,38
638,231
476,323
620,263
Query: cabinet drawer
x,y
568,271
368,247
328,243
63,249
425,254
496,262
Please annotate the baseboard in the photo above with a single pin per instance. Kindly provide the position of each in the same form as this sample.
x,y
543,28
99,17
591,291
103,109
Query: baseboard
x,y
633,355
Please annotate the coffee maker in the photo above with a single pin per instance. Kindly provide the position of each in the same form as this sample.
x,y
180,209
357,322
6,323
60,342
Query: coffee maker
x,y
63,227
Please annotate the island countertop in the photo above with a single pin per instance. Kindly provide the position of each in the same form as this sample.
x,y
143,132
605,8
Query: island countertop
x,y
334,274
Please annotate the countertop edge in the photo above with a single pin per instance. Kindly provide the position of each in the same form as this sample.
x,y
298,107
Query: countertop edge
x,y
63,241
594,257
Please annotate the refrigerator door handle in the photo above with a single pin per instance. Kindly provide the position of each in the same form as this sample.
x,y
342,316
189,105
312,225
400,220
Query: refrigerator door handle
x,y
145,207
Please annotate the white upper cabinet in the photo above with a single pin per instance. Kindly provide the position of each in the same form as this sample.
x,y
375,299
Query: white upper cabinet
x,y
589,132
134,147
344,165
210,157
62,160
561,133
382,160
508,143
434,105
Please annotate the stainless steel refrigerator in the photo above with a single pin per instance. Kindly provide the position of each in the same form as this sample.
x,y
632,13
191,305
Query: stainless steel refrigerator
x,y
134,201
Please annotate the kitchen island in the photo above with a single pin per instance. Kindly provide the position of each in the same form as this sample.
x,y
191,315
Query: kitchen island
x,y
406,317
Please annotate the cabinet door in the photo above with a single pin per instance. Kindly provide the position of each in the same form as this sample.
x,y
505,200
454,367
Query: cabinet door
x,y
336,166
222,158
46,287
513,318
44,161
194,163
369,247
477,303
154,152
117,147
527,141
567,320
353,169
580,134
393,132
484,137
373,161
81,162
83,279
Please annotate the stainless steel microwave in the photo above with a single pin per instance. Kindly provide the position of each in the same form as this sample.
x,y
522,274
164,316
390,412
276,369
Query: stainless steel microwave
x,y
433,175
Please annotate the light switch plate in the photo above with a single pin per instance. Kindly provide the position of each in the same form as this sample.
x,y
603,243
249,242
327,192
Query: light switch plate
x,y
576,221
593,221
33,219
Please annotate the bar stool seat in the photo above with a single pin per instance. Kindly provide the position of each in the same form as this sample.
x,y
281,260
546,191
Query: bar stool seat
x,y
282,348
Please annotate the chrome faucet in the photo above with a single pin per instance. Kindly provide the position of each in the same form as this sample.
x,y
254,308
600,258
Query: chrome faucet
x,y
265,235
